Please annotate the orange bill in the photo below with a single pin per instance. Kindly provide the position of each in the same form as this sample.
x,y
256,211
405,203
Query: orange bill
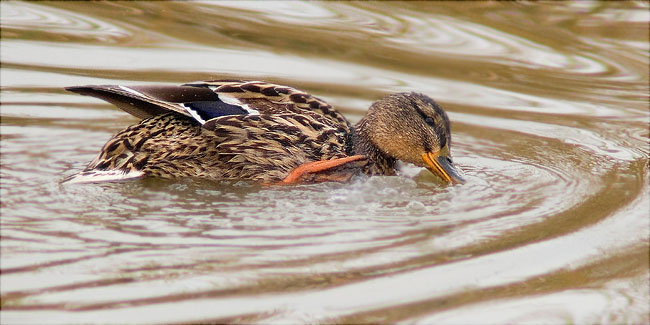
x,y
442,166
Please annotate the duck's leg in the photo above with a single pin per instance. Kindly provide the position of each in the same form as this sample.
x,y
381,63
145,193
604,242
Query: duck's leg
x,y
317,167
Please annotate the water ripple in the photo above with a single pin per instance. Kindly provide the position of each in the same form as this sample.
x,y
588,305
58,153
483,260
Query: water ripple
x,y
21,16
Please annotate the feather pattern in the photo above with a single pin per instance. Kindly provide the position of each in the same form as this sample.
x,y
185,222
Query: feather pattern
x,y
241,130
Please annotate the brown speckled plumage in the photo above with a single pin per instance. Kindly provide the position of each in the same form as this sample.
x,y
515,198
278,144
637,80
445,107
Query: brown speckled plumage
x,y
260,131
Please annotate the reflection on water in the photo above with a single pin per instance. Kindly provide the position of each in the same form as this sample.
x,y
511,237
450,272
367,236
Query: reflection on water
x,y
550,119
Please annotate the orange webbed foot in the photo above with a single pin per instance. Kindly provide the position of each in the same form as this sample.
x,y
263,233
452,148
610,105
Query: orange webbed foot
x,y
316,167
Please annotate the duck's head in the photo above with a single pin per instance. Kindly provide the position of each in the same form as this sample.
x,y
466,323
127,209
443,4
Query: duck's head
x,y
411,127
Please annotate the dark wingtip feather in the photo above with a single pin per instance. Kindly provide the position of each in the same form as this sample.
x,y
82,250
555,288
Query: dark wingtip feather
x,y
85,90
77,89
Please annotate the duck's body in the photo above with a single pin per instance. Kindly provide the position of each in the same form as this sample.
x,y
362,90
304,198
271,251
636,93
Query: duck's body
x,y
256,131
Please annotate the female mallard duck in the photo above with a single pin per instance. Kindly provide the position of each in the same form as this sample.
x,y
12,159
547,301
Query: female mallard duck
x,y
254,130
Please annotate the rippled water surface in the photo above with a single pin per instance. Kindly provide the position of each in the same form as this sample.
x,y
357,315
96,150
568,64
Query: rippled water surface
x,y
549,109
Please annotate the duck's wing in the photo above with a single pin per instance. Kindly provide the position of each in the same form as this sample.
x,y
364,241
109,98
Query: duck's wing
x,y
254,124
207,100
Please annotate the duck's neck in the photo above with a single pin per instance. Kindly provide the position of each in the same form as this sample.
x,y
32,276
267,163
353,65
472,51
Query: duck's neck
x,y
378,162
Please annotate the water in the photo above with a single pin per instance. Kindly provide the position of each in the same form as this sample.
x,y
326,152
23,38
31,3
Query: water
x,y
549,109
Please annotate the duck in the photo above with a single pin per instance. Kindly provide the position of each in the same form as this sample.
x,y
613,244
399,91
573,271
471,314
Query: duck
x,y
265,132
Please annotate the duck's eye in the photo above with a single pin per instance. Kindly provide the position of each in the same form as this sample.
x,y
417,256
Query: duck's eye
x,y
429,121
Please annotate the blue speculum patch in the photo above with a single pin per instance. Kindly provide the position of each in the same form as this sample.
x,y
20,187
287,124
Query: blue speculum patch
x,y
210,109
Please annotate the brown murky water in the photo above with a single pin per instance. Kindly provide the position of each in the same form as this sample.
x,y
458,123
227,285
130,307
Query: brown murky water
x,y
549,104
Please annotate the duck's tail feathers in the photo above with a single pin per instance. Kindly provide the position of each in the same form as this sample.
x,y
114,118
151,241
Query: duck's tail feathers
x,y
95,175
